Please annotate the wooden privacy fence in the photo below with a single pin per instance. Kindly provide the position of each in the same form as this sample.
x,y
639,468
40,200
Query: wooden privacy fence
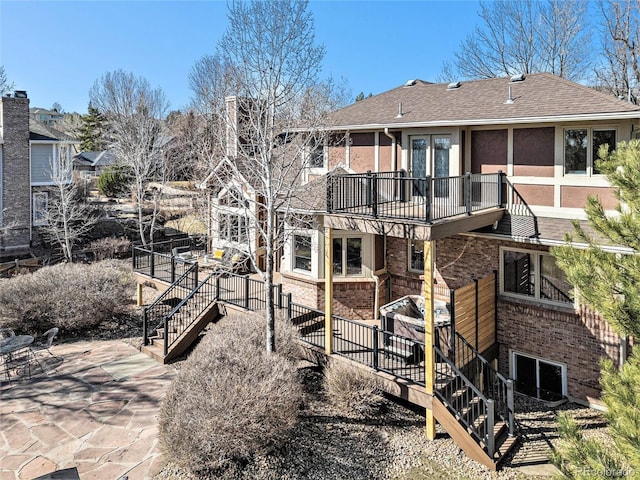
x,y
474,313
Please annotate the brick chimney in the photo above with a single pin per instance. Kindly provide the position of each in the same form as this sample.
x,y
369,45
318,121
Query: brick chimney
x,y
15,183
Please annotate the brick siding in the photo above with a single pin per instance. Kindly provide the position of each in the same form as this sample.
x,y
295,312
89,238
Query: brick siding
x,y
353,299
576,339
16,183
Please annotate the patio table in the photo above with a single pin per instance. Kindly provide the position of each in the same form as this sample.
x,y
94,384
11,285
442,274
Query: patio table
x,y
8,349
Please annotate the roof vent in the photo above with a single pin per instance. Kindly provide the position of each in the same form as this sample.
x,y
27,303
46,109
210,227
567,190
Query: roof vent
x,y
400,114
517,78
510,99
410,83
453,85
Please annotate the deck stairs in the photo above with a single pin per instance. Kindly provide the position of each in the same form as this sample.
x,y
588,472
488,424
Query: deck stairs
x,y
178,316
474,404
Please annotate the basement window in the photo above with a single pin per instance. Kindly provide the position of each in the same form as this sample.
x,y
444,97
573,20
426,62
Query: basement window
x,y
539,377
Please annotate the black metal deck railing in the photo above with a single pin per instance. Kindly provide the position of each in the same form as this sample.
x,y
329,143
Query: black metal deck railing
x,y
486,379
464,400
189,310
393,195
153,315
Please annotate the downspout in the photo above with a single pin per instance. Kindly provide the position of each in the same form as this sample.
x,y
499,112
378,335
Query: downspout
x,y
376,302
394,153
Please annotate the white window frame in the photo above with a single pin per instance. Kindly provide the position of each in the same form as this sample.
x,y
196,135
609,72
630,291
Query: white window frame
x,y
293,253
537,276
227,236
343,260
590,160
563,369
39,220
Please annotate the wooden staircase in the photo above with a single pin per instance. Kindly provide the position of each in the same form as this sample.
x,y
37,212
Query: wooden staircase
x,y
460,425
185,338
178,316
474,404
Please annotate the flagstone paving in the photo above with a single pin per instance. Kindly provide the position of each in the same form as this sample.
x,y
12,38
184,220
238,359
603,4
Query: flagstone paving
x,y
94,407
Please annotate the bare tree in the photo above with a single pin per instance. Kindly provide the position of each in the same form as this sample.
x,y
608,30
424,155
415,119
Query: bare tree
x,y
134,114
68,217
525,36
269,61
5,84
619,73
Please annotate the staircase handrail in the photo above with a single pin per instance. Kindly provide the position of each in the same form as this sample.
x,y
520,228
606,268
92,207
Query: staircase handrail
x,y
485,405
208,301
179,283
479,357
174,286
503,395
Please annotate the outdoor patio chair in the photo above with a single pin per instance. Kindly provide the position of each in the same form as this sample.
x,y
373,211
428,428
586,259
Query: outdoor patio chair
x,y
18,364
182,254
47,341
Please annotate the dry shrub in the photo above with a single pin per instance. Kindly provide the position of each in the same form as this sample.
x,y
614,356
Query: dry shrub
x,y
230,401
352,390
286,335
110,247
74,297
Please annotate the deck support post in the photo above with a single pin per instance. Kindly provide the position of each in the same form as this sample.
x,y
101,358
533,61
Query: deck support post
x,y
328,290
139,294
429,333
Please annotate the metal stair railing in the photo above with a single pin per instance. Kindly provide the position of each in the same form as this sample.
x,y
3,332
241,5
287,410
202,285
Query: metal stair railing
x,y
154,313
465,401
188,310
486,379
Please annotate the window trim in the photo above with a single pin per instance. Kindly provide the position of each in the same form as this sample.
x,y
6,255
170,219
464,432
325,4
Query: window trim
x,y
512,369
537,276
42,221
227,236
589,172
343,260
294,268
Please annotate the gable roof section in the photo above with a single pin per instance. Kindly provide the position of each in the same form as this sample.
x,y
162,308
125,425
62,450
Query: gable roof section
x,y
95,159
312,196
538,98
38,131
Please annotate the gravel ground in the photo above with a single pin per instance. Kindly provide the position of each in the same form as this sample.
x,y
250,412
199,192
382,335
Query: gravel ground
x,y
325,446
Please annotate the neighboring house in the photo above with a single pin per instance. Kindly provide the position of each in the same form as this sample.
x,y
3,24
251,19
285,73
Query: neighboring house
x,y
29,151
542,133
46,117
92,164
46,145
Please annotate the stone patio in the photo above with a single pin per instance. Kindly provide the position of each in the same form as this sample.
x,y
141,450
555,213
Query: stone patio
x,y
94,407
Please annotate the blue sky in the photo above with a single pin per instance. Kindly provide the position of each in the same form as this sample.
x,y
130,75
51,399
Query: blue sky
x,y
57,49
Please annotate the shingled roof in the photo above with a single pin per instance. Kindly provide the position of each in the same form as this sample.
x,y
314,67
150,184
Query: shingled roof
x,y
539,97
39,131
